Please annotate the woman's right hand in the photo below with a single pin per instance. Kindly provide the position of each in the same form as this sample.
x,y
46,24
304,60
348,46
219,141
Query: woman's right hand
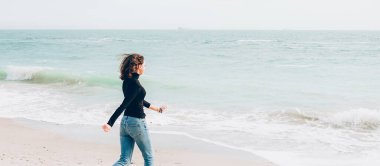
x,y
106,127
162,108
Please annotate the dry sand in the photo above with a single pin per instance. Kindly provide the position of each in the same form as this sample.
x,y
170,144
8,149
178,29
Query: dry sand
x,y
27,142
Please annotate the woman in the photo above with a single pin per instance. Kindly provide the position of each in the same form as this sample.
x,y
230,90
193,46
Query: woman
x,y
133,128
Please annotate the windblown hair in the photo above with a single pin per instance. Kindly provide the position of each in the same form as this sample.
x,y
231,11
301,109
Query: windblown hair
x,y
130,64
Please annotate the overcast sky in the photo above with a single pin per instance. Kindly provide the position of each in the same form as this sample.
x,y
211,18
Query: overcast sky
x,y
191,14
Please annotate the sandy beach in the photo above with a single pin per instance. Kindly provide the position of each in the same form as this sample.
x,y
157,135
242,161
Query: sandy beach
x,y
27,142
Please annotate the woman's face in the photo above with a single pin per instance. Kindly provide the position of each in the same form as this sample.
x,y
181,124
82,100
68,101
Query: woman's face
x,y
141,68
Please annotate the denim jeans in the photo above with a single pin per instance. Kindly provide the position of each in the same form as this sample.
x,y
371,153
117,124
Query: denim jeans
x,y
134,130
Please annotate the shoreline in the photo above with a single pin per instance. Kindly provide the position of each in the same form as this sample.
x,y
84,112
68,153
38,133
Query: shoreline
x,y
29,142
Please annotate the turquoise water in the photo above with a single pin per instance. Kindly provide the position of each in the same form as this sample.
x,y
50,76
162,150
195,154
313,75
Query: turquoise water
x,y
238,69
278,90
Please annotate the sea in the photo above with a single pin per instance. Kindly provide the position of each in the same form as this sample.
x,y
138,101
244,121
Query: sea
x,y
293,97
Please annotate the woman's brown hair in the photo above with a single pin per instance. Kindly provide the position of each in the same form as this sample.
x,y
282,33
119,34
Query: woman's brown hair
x,y
130,64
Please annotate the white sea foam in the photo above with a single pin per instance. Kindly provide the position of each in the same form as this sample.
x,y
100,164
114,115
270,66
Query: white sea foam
x,y
362,118
359,118
51,104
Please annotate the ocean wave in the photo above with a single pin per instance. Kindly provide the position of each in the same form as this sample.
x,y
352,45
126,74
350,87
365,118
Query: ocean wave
x,y
18,73
48,75
362,118
357,119
294,115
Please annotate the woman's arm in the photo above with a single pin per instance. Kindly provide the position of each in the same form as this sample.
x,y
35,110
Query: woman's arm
x,y
146,104
151,107
154,108
131,92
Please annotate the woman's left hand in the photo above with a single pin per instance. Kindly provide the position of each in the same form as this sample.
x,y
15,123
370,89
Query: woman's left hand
x,y
106,127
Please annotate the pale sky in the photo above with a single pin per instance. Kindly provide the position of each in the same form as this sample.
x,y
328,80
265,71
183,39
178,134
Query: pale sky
x,y
191,14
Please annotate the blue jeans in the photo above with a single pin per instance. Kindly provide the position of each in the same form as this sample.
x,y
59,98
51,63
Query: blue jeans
x,y
134,130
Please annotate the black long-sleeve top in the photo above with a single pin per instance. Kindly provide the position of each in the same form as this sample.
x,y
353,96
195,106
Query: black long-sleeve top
x,y
133,101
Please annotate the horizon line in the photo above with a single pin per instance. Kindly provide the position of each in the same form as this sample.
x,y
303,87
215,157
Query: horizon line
x,y
190,29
